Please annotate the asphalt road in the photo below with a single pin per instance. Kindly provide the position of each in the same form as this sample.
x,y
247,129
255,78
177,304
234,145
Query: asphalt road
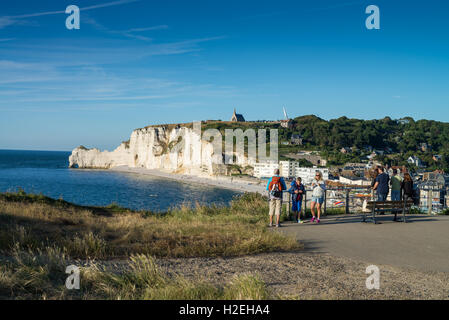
x,y
421,244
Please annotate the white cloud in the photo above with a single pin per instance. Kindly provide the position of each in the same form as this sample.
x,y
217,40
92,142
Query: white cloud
x,y
85,52
108,4
33,85
6,21
160,27
126,33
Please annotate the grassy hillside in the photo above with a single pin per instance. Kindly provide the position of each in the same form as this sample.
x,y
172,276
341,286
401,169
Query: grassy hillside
x,y
31,222
40,237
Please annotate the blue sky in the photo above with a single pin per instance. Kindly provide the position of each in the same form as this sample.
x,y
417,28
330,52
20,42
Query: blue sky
x,y
135,63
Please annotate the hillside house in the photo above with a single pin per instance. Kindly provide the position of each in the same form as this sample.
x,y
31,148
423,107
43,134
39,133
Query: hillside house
x,y
424,147
414,160
296,139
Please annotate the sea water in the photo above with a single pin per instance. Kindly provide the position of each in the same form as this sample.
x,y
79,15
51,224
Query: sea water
x,y
47,172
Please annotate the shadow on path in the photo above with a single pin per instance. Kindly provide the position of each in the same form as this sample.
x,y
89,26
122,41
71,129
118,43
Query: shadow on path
x,y
421,243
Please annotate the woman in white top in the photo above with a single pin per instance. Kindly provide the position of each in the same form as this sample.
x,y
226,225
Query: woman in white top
x,y
319,188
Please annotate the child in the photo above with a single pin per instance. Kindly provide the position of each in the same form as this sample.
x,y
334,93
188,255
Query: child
x,y
297,191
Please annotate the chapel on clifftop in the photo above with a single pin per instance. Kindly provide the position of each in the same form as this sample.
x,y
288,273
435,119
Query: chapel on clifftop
x,y
237,117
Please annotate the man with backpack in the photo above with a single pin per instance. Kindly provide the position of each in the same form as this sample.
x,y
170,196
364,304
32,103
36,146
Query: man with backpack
x,y
275,187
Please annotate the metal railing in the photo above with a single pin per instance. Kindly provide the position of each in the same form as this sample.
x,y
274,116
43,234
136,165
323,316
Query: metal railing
x,y
341,200
347,200
433,199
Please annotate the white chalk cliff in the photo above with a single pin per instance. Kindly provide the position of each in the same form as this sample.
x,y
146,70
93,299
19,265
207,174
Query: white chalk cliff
x,y
178,149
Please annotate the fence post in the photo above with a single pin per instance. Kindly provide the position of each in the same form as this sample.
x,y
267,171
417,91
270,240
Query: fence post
x,y
429,200
444,200
347,202
325,202
305,204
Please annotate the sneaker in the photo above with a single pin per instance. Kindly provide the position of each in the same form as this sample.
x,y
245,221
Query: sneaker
x,y
300,222
278,225
270,225
313,219
317,220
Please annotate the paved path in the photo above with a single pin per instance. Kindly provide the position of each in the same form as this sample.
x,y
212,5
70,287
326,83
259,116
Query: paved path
x,y
422,243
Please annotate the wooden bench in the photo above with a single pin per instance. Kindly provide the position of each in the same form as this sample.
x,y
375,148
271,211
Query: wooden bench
x,y
388,206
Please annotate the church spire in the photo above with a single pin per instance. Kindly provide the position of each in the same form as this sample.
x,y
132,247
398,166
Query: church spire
x,y
285,113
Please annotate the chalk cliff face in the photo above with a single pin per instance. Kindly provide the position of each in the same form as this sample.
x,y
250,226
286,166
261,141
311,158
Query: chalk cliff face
x,y
179,150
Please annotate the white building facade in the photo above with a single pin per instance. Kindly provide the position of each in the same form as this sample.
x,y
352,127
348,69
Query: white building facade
x,y
288,169
355,181
265,169
308,174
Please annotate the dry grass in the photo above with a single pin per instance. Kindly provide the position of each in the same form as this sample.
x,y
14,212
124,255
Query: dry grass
x,y
40,237
40,275
36,222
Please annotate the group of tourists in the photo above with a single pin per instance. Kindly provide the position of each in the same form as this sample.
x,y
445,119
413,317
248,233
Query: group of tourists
x,y
401,189
276,185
